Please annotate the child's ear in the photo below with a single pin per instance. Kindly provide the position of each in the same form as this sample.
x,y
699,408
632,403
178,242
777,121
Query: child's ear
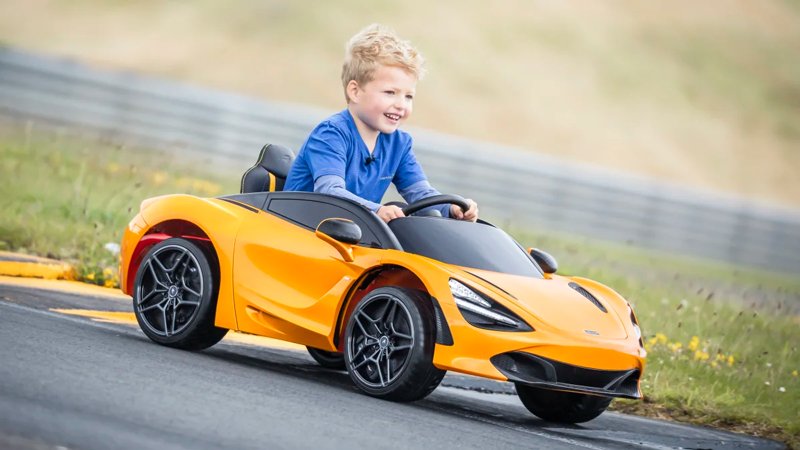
x,y
352,91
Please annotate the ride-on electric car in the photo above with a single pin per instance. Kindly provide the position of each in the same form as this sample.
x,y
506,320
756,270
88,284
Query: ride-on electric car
x,y
396,305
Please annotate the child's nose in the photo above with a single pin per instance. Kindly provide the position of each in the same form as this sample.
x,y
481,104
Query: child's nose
x,y
402,103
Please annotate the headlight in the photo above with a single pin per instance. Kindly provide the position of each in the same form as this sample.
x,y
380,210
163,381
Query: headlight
x,y
482,312
461,292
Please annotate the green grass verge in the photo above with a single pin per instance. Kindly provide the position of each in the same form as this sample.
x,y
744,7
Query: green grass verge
x,y
68,198
722,340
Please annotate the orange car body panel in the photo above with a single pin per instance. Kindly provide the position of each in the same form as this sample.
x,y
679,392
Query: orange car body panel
x,y
292,287
297,287
218,219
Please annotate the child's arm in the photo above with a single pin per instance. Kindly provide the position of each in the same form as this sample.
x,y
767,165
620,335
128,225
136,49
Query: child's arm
x,y
335,185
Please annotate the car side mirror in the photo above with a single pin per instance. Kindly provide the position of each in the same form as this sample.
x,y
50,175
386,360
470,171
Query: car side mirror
x,y
545,260
342,234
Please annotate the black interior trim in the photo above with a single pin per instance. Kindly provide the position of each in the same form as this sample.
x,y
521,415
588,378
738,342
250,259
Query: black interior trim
x,y
254,199
364,217
238,203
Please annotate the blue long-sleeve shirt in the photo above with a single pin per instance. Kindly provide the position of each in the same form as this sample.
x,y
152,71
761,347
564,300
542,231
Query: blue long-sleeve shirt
x,y
334,160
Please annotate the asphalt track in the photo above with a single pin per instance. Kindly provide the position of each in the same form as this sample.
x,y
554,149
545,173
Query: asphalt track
x,y
69,381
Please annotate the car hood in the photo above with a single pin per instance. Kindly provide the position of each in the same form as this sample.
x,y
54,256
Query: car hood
x,y
555,303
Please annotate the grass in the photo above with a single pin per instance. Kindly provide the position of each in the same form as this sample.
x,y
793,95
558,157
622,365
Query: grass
x,y
70,199
722,340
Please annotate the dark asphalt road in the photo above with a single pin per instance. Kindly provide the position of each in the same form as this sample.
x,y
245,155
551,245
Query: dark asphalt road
x,y
72,382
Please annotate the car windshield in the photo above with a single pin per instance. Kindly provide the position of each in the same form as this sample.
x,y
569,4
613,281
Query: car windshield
x,y
467,244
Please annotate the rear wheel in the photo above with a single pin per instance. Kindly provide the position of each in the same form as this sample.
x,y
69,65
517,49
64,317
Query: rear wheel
x,y
389,344
175,295
331,360
563,407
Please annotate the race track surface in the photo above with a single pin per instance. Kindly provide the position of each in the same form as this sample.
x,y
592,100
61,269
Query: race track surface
x,y
68,381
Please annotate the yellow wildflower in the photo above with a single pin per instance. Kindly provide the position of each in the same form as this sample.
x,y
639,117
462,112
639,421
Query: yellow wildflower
x,y
720,357
713,364
794,373
661,338
675,347
108,272
90,276
700,355
109,283
694,343
731,360
159,178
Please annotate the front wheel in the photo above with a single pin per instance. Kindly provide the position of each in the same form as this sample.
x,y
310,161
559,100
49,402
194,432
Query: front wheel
x,y
175,294
562,407
389,344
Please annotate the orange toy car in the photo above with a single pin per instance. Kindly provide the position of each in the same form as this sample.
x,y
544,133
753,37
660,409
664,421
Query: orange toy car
x,y
395,305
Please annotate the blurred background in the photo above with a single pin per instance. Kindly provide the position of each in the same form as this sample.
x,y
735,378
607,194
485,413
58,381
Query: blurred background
x,y
702,94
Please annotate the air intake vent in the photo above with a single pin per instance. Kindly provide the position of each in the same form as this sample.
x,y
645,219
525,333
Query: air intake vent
x,y
588,296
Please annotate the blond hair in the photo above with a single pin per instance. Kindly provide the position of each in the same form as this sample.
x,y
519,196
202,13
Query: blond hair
x,y
376,46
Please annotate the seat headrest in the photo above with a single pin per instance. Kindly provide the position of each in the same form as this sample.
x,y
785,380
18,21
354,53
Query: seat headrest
x,y
277,159
270,170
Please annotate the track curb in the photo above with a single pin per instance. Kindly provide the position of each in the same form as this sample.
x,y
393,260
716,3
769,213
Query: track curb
x,y
28,266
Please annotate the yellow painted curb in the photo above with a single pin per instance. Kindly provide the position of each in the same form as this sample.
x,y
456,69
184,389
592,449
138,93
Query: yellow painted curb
x,y
34,270
19,265
73,287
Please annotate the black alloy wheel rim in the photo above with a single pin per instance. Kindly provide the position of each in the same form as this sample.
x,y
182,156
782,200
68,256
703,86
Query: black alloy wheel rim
x,y
380,341
170,290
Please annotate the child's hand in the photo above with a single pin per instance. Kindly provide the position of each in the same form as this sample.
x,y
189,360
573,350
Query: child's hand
x,y
390,212
471,214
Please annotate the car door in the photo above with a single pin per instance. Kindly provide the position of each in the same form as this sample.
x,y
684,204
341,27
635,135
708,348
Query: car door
x,y
288,283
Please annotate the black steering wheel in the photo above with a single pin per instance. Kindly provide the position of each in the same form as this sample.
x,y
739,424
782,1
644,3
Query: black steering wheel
x,y
436,200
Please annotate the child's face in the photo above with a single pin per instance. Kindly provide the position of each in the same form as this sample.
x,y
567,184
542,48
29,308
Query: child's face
x,y
382,104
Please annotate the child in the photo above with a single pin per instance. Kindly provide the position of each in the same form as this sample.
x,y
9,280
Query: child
x,y
356,153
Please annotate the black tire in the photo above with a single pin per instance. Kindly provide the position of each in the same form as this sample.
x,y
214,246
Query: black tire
x,y
392,330
562,407
331,360
175,296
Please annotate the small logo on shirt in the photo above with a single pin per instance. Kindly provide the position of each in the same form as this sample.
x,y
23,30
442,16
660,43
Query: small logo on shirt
x,y
386,178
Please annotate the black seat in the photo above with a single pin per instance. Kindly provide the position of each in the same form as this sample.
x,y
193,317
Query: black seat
x,y
270,171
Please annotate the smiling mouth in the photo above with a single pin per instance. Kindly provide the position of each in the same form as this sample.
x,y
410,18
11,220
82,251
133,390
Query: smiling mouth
x,y
394,117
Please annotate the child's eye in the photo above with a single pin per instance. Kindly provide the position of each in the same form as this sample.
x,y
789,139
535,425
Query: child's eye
x,y
389,92
409,97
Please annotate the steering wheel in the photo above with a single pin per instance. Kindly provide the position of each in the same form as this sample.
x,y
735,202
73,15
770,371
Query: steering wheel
x,y
436,200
